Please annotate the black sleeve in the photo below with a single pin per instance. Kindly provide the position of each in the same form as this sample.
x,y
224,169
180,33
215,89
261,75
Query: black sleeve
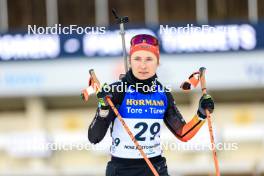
x,y
173,118
99,125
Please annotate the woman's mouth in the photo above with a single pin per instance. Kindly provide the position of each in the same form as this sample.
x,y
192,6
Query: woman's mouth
x,y
143,73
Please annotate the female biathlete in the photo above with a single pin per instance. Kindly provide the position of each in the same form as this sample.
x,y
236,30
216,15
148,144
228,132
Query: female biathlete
x,y
144,103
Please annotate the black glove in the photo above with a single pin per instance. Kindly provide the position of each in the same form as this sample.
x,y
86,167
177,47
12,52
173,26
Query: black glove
x,y
206,102
101,96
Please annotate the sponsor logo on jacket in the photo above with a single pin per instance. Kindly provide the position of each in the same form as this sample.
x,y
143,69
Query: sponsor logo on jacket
x,y
144,102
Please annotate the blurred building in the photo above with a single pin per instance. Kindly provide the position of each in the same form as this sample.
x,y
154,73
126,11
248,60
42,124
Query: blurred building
x,y
43,121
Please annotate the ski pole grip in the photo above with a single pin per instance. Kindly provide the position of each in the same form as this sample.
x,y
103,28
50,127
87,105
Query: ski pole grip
x,y
202,79
94,77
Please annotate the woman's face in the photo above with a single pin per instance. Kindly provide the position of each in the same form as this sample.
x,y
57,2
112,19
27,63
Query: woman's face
x,y
144,64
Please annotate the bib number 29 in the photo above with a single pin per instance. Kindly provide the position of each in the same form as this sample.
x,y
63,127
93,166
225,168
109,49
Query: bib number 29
x,y
154,130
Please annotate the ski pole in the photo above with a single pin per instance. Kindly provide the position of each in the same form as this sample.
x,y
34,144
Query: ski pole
x,y
203,87
121,21
109,101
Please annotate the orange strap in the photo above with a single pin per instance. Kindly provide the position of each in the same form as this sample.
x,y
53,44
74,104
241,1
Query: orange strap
x,y
192,81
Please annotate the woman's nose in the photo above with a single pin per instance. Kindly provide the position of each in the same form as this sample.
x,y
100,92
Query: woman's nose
x,y
143,64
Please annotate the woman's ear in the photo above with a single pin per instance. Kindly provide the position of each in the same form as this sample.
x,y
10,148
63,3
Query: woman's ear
x,y
129,59
158,61
129,62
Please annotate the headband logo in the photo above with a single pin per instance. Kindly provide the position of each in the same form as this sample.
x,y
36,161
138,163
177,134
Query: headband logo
x,y
145,46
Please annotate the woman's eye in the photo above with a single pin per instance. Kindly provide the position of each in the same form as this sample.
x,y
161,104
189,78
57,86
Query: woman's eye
x,y
137,58
149,59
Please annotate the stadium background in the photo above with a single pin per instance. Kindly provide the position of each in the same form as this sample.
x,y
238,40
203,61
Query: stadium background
x,y
40,102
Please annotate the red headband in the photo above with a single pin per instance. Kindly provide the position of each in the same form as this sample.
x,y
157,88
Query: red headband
x,y
146,47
